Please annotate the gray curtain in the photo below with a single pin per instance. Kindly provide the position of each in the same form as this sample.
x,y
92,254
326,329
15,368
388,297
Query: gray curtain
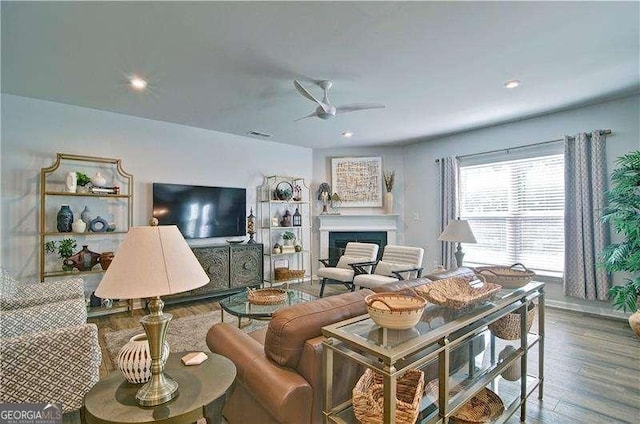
x,y
449,168
585,237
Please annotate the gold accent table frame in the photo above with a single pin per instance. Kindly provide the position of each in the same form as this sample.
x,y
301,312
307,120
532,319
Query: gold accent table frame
x,y
358,181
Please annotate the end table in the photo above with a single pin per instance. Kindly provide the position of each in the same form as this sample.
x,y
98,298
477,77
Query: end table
x,y
203,391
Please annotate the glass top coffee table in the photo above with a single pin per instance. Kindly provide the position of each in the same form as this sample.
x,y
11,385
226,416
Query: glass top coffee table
x,y
239,306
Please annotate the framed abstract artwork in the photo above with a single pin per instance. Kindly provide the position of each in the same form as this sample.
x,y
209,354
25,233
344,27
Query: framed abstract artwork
x,y
358,181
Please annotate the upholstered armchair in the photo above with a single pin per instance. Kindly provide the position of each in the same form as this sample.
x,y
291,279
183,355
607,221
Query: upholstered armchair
x,y
48,352
397,263
354,254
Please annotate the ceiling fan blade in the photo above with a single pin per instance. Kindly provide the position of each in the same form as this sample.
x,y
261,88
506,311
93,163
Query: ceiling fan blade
x,y
308,95
312,114
358,106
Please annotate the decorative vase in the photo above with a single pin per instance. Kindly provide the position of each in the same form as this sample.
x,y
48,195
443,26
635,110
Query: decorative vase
x,y
134,359
85,259
98,180
78,226
286,219
388,203
64,219
288,242
72,182
634,322
512,372
98,225
86,215
105,260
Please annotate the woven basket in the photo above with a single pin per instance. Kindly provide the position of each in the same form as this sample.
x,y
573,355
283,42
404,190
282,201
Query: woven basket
x,y
266,296
281,271
483,407
396,311
456,293
507,277
508,327
368,397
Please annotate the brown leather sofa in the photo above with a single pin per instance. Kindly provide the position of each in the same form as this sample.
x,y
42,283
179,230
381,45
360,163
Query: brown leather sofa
x,y
279,368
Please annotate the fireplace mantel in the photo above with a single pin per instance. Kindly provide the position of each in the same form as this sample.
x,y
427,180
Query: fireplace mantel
x,y
360,222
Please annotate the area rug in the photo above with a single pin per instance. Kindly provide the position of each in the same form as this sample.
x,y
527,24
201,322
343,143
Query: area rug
x,y
184,334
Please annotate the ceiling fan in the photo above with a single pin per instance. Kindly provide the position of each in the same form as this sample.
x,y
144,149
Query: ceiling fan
x,y
325,110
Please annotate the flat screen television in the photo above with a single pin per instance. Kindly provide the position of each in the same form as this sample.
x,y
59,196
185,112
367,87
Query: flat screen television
x,y
201,211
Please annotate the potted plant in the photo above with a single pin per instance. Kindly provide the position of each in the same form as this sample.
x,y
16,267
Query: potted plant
x,y
289,237
64,248
83,181
389,180
623,213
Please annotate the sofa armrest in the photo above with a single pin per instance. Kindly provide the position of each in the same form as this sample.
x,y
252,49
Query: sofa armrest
x,y
59,365
281,391
18,322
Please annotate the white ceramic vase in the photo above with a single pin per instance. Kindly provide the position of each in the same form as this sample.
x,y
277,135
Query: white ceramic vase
x,y
134,359
388,203
78,226
98,180
71,182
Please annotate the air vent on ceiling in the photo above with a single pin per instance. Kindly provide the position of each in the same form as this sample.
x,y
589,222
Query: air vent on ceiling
x,y
259,134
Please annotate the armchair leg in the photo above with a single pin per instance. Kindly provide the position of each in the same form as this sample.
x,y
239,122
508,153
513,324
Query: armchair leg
x,y
324,281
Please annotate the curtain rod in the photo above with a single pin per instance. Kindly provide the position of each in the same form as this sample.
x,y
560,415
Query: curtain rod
x,y
605,132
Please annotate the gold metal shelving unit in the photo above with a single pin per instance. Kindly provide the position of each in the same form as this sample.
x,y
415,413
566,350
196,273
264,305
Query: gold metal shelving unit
x,y
53,195
272,208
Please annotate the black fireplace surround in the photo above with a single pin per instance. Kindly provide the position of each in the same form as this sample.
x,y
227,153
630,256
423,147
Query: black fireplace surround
x,y
338,241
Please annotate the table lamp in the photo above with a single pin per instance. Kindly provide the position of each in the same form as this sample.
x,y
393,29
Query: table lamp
x,y
151,262
458,230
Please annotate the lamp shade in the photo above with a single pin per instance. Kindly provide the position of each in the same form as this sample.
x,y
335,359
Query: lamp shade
x,y
152,261
458,230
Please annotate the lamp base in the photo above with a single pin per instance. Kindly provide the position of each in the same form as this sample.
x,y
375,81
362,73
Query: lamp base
x,y
459,254
160,388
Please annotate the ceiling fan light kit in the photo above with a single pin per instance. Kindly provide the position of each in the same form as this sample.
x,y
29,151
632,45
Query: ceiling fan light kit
x,y
325,109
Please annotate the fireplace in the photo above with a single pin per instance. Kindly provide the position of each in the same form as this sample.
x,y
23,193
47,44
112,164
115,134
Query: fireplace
x,y
338,241
369,228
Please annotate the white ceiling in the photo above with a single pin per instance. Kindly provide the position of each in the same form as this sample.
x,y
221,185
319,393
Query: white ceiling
x,y
229,66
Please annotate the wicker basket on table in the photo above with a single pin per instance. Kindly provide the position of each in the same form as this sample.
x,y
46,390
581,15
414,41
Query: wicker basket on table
x,y
282,272
368,397
507,276
457,293
508,327
395,310
266,296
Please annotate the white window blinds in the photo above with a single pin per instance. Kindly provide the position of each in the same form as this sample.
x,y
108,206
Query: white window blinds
x,y
516,211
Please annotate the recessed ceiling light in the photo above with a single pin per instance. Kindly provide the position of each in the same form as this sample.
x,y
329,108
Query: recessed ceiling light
x,y
512,84
347,134
138,83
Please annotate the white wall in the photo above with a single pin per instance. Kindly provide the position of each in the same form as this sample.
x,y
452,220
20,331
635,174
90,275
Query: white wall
x,y
33,131
622,116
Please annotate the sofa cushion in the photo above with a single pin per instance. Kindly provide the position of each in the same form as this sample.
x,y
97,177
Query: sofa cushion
x,y
292,326
338,274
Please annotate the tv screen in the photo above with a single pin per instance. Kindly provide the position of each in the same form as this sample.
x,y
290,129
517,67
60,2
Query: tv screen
x,y
200,211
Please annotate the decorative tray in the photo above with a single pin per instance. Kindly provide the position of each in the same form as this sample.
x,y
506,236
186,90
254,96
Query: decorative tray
x,y
266,296
456,293
483,407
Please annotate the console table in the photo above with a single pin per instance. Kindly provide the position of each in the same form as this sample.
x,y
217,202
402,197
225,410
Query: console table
x,y
392,352
230,267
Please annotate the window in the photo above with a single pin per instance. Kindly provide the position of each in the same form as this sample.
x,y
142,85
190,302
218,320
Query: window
x,y
516,211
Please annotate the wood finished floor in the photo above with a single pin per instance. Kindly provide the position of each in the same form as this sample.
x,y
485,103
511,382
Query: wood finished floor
x,y
592,365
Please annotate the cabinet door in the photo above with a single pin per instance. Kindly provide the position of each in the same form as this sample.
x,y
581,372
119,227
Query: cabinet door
x,y
246,265
215,261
